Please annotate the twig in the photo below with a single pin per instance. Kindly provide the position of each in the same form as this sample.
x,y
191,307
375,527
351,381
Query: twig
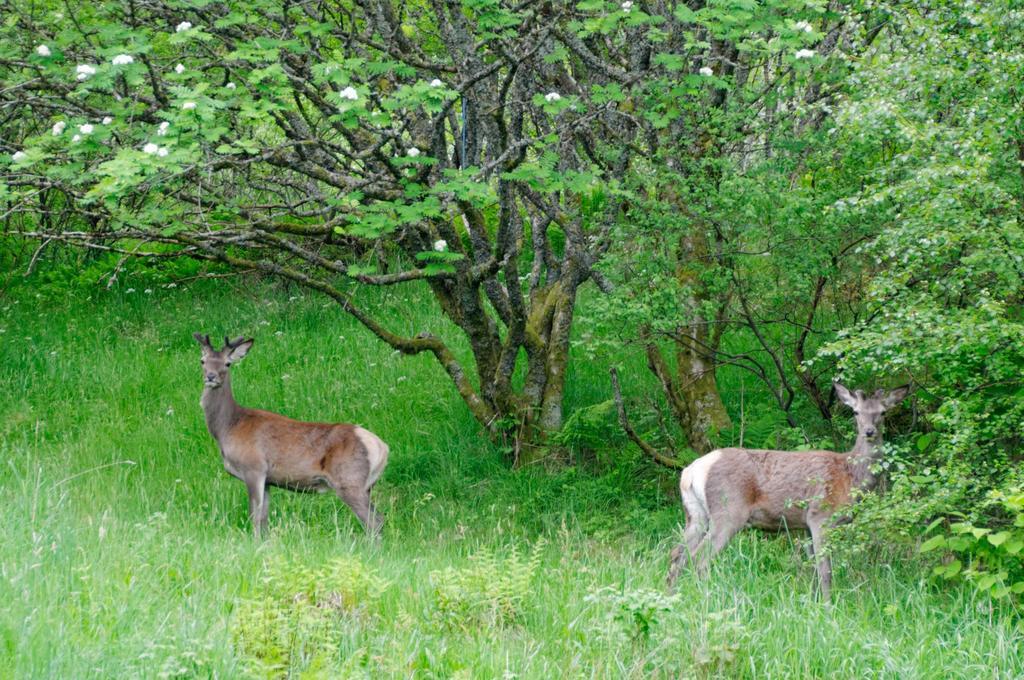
x,y
35,257
656,456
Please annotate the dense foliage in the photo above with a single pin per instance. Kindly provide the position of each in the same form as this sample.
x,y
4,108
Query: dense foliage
x,y
789,191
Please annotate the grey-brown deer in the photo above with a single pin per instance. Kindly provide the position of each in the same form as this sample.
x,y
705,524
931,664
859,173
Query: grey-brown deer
x,y
266,449
731,488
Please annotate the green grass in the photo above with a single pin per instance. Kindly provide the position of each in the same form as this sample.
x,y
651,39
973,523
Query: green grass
x,y
125,549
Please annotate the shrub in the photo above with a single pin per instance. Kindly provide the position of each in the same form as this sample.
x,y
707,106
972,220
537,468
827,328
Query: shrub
x,y
635,612
991,558
296,620
490,591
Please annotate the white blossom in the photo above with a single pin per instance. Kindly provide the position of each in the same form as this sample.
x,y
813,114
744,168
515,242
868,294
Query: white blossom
x,y
107,120
43,51
804,26
804,54
162,151
230,86
706,71
183,26
83,71
349,93
552,97
18,156
76,138
179,69
150,148
85,128
413,152
441,245
188,106
436,83
58,127
162,130
626,6
122,59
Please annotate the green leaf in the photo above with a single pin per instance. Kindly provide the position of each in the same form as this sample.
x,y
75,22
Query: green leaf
x,y
933,543
999,538
986,582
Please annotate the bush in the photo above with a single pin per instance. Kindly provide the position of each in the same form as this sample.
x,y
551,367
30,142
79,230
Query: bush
x,y
297,619
491,591
635,612
991,558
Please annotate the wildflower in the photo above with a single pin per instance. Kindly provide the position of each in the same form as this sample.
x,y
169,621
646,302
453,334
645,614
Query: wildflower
x,y
148,291
43,51
627,6
76,138
441,245
85,128
552,97
18,156
162,151
130,290
83,71
413,152
804,54
179,69
349,93
804,26
230,86
107,120
122,59
150,148
188,106
162,130
436,83
706,71
58,127
183,26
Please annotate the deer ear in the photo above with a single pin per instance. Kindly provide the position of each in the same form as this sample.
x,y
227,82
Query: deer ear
x,y
845,395
239,349
895,396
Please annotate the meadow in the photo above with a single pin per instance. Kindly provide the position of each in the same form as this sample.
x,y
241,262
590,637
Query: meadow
x,y
125,550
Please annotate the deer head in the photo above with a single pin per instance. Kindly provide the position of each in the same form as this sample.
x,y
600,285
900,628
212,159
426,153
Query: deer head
x,y
868,412
217,363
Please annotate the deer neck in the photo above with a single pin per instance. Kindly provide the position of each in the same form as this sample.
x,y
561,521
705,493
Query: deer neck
x,y
863,457
220,407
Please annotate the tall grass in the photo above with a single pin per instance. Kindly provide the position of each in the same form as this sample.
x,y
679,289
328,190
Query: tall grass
x,y
125,549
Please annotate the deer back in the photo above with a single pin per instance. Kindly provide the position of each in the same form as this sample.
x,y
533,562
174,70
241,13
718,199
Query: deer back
x,y
305,454
772,487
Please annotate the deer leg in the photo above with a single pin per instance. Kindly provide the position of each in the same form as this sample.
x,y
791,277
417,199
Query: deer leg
x,y
265,506
822,561
376,519
256,485
685,551
717,538
359,501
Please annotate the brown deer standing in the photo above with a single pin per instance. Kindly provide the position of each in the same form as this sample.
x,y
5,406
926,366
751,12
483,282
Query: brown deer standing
x,y
266,449
729,489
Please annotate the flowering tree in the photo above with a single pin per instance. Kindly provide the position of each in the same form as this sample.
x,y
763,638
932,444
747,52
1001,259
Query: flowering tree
x,y
489,146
